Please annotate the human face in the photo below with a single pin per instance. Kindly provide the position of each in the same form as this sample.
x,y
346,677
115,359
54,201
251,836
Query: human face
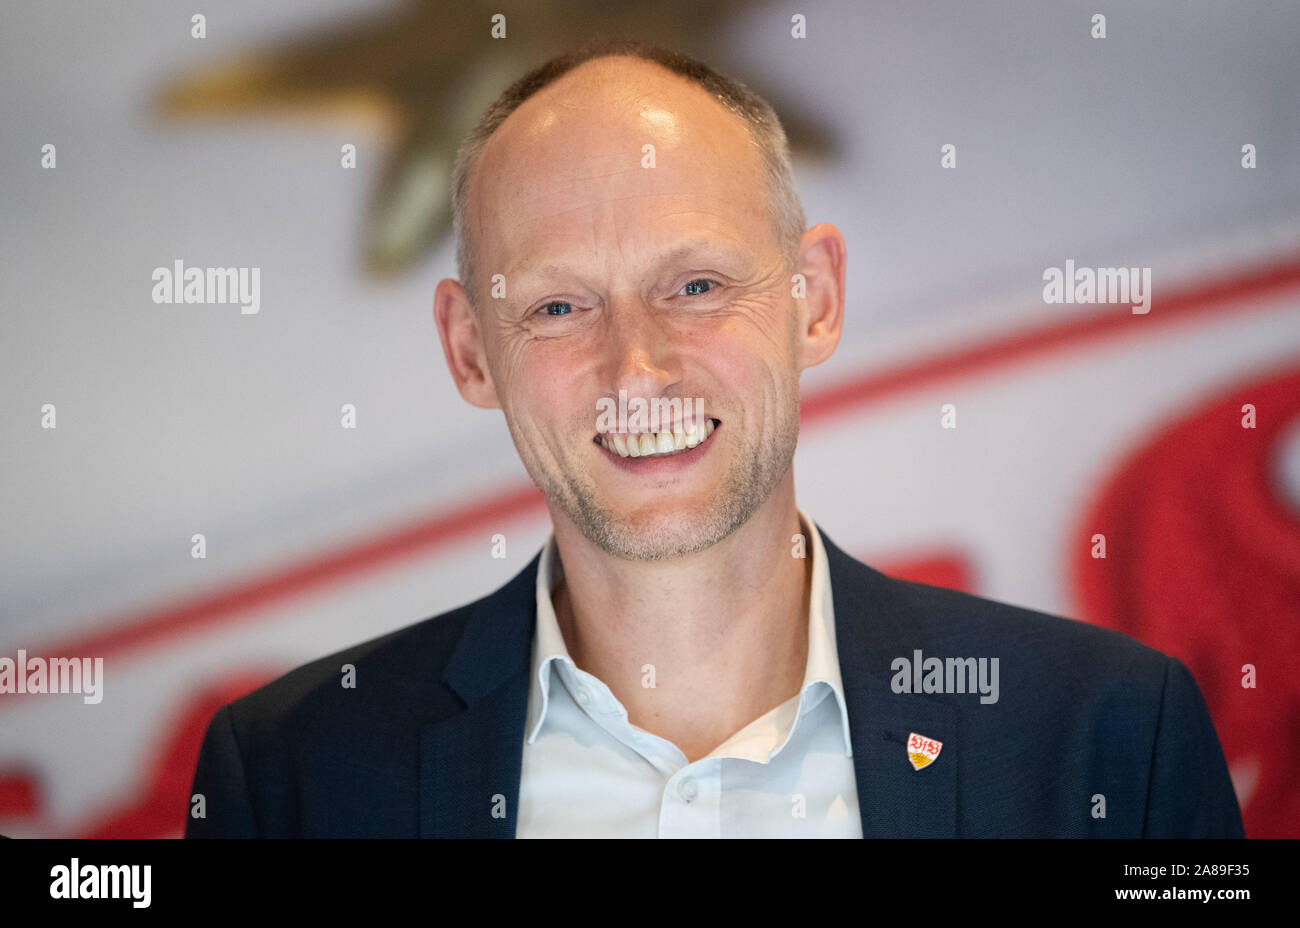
x,y
663,278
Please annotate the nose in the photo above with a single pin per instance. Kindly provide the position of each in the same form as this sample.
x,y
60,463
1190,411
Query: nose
x,y
643,359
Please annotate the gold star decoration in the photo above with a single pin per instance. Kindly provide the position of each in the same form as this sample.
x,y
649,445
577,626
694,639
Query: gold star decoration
x,y
422,74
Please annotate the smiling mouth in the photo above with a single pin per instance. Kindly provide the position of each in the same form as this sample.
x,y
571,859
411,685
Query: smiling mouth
x,y
657,444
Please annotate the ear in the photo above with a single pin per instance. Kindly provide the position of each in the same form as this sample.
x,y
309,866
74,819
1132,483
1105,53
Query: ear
x,y
821,262
462,344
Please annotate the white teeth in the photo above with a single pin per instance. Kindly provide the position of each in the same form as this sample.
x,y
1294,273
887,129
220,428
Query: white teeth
x,y
645,444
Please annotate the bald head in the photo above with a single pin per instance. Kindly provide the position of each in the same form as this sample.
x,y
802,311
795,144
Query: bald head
x,y
612,112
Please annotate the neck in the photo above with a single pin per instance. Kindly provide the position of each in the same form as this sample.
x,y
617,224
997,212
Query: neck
x,y
725,630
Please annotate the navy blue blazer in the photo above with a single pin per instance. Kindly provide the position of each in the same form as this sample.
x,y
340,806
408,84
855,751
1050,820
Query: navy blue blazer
x,y
429,741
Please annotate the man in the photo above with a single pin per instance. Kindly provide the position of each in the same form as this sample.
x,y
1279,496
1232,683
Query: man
x,y
688,655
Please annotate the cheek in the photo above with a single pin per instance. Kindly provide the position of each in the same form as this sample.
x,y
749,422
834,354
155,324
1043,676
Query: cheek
x,y
758,354
544,389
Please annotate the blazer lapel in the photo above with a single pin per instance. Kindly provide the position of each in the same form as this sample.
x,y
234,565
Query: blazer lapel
x,y
470,760
873,626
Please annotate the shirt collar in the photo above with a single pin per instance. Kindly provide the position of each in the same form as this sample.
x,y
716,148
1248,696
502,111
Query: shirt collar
x,y
823,659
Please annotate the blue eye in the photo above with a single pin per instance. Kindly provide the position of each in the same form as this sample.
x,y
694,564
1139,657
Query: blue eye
x,y
564,311
692,290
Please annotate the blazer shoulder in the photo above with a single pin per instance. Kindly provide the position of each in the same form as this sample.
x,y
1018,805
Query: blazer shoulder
x,y
905,614
391,673
1070,645
387,682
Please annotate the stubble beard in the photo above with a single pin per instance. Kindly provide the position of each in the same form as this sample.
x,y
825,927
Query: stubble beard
x,y
755,473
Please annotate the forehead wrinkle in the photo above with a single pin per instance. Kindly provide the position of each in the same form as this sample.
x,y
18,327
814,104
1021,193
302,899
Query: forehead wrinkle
x,y
521,265
707,249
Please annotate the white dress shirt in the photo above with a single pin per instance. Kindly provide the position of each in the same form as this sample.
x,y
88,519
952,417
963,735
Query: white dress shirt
x,y
588,772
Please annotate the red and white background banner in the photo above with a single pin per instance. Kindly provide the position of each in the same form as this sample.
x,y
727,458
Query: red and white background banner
x,y
1173,433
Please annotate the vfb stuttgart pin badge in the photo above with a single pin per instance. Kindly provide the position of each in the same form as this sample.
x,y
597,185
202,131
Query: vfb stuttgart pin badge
x,y
922,751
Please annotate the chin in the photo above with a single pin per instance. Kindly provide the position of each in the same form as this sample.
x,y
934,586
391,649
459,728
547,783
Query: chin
x,y
656,533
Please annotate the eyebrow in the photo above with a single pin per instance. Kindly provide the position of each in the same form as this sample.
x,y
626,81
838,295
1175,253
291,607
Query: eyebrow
x,y
704,250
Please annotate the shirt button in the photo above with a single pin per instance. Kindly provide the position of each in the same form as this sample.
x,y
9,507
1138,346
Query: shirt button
x,y
687,789
584,696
